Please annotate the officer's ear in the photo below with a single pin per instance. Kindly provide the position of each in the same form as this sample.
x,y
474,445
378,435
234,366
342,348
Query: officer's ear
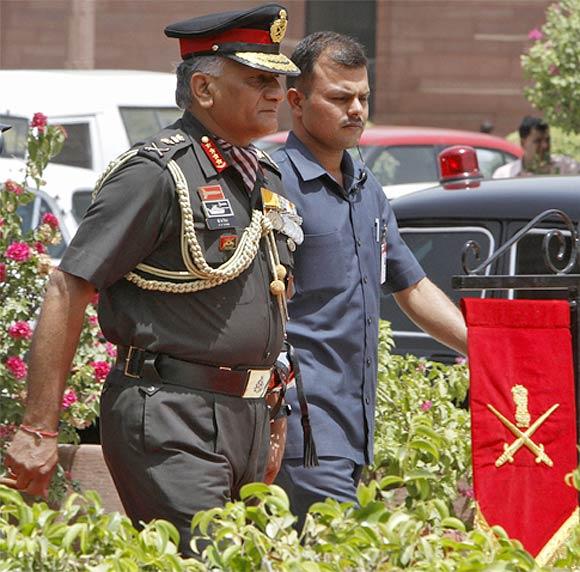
x,y
201,85
295,99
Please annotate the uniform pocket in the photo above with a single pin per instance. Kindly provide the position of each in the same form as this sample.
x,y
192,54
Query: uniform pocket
x,y
179,419
320,263
240,290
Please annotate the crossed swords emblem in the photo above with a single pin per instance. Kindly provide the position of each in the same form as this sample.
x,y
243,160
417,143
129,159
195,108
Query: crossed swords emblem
x,y
520,394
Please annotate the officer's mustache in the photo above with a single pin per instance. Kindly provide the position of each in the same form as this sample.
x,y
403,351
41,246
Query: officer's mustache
x,y
354,123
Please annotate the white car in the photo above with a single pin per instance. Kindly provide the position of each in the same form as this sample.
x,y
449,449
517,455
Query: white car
x,y
104,113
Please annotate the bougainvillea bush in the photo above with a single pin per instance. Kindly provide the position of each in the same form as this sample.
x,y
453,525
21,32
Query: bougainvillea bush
x,y
552,64
25,266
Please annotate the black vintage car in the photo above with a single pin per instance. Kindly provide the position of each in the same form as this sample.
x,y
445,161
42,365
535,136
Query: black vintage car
x,y
436,223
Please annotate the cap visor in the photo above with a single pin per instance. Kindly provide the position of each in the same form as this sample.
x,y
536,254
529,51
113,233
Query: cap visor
x,y
273,63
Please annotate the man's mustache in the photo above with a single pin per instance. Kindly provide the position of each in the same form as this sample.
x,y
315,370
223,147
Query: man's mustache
x,y
353,123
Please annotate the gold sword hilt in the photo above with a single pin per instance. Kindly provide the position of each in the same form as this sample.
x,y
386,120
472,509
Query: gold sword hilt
x,y
505,456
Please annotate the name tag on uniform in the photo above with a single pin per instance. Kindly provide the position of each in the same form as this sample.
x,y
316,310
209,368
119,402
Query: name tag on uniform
x,y
217,209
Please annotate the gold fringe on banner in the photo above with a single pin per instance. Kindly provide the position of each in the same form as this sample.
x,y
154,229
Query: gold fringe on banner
x,y
549,552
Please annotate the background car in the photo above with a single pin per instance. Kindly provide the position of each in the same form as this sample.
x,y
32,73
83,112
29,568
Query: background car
x,y
436,223
104,113
404,159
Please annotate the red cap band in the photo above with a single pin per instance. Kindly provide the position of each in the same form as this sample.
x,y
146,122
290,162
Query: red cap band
x,y
194,45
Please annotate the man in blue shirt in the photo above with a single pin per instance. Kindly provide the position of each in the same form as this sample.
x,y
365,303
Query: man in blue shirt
x,y
351,247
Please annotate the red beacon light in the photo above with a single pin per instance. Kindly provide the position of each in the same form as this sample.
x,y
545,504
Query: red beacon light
x,y
459,167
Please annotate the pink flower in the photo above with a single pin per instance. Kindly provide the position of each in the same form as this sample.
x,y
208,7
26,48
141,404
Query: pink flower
x,y
93,320
50,220
101,369
2,272
13,187
20,331
460,360
69,398
421,366
554,70
535,34
466,491
111,350
18,251
40,248
39,120
17,367
426,405
6,431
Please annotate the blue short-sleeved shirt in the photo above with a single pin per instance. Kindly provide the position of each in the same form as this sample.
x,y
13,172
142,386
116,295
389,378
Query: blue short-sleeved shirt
x,y
334,313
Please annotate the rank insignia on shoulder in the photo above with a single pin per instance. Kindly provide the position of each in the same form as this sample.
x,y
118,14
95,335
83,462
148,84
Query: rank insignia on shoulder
x,y
173,139
228,242
163,150
213,154
154,148
211,193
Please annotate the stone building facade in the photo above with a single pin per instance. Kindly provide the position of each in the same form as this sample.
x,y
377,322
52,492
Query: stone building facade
x,y
451,63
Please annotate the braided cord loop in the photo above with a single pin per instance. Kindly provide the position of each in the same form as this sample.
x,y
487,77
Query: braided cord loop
x,y
204,276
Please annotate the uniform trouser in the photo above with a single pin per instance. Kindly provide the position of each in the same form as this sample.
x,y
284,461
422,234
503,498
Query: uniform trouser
x,y
334,477
174,451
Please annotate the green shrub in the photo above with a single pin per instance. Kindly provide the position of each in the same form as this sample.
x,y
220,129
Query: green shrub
x,y
422,434
551,64
82,537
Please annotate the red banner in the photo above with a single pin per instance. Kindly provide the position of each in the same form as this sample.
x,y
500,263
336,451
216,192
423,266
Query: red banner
x,y
523,419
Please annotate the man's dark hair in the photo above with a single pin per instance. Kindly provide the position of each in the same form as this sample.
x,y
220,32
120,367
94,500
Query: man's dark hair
x,y
341,49
530,122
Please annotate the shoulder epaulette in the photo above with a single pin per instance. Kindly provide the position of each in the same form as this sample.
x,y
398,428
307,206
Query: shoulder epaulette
x,y
164,145
263,157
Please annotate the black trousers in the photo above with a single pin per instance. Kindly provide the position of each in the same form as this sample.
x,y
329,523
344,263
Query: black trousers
x,y
174,451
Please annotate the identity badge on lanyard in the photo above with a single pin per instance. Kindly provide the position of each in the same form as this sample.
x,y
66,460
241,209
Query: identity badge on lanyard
x,y
381,238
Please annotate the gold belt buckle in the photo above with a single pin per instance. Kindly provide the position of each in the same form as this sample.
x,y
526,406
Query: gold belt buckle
x,y
128,361
257,384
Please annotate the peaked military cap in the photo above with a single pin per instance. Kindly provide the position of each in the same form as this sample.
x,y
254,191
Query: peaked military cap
x,y
250,37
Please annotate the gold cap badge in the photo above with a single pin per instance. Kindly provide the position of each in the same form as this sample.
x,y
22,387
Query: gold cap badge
x,y
278,27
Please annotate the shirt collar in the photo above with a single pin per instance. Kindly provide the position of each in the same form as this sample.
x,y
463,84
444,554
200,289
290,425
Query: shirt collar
x,y
308,166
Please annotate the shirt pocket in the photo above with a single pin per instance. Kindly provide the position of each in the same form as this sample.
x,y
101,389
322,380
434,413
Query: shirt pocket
x,y
320,263
242,289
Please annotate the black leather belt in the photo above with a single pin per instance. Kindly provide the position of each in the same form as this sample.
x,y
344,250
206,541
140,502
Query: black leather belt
x,y
247,383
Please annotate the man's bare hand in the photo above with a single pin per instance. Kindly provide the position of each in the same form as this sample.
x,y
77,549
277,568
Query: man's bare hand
x,y
277,445
30,463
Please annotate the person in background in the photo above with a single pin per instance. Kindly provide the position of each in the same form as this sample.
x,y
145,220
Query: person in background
x,y
351,250
486,126
535,141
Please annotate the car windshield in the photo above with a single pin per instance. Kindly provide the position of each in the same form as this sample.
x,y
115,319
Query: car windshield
x,y
401,165
527,258
15,138
142,122
438,250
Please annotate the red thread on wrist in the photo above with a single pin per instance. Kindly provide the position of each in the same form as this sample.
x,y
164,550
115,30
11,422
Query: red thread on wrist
x,y
38,432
